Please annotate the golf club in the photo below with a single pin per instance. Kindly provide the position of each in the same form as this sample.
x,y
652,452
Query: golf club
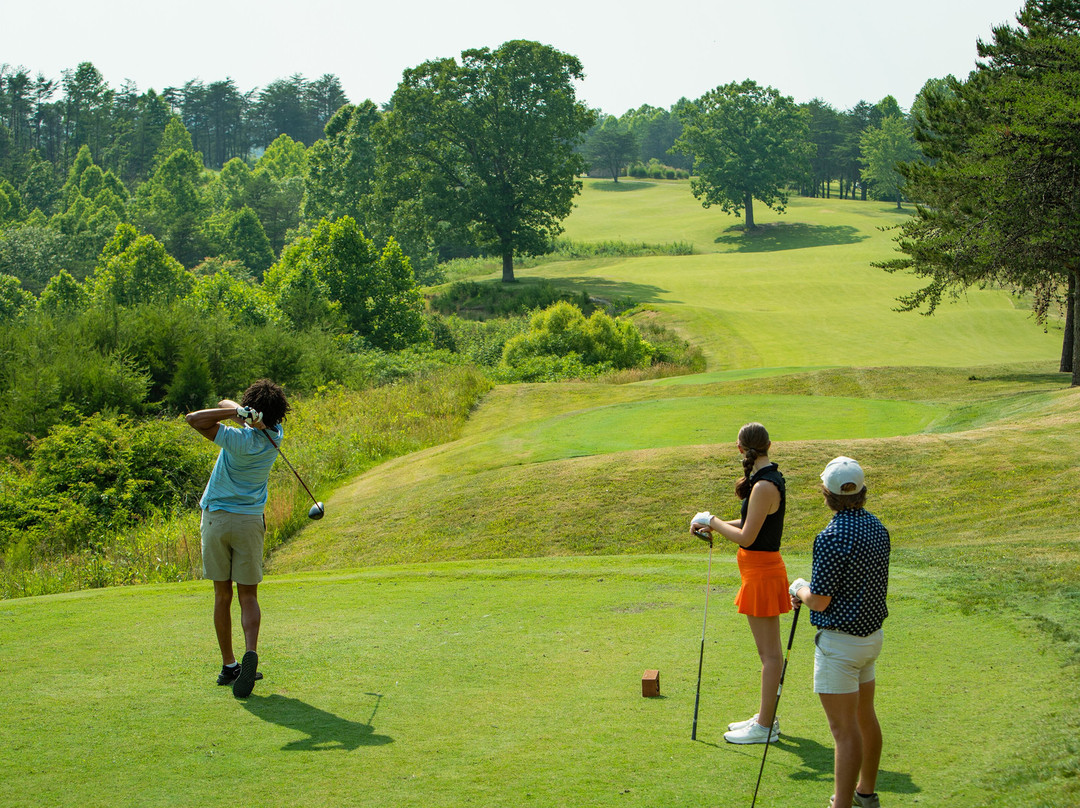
x,y
317,511
704,536
779,689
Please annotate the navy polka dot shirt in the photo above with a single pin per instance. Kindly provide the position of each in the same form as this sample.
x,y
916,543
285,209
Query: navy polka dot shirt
x,y
851,565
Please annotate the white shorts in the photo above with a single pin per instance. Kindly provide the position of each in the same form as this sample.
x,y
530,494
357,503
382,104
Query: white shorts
x,y
844,661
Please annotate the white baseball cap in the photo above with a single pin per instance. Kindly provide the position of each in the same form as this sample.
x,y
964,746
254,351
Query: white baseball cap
x,y
843,471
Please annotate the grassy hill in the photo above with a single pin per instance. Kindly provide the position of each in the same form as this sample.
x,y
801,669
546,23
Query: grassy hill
x,y
469,623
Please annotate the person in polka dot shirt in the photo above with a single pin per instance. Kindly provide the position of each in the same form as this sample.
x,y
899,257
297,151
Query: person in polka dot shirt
x,y
846,596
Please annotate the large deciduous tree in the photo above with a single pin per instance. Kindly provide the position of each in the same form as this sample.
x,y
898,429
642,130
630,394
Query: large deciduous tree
x,y
999,203
494,136
611,146
748,142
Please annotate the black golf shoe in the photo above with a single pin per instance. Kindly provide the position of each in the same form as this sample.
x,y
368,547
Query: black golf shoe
x,y
228,675
241,688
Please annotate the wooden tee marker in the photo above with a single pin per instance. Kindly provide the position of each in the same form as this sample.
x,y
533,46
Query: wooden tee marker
x,y
650,684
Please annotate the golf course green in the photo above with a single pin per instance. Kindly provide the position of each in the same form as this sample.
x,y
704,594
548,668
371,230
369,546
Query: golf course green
x,y
470,622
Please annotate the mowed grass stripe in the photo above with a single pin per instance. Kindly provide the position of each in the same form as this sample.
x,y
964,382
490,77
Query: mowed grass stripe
x,y
706,420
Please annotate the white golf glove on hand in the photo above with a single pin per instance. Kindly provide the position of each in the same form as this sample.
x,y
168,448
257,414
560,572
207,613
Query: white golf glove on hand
x,y
703,518
248,414
796,585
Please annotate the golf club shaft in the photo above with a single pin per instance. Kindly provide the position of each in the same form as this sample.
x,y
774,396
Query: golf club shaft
x,y
701,656
290,465
779,690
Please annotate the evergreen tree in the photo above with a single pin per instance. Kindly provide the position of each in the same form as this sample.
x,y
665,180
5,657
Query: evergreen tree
x,y
885,147
996,203
247,242
341,166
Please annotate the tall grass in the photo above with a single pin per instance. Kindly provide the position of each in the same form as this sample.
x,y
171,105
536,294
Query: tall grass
x,y
329,437
563,250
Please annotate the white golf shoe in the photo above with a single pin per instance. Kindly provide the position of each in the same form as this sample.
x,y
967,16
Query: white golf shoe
x,y
753,720
754,733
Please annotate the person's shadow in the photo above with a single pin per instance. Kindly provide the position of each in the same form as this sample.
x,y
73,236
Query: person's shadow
x,y
323,730
818,766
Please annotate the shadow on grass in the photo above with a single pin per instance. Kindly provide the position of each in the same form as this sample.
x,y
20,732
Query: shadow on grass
x,y
788,236
611,290
818,762
1063,379
324,730
625,185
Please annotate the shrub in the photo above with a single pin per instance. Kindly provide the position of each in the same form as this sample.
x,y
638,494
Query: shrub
x,y
562,330
475,300
482,341
102,474
546,368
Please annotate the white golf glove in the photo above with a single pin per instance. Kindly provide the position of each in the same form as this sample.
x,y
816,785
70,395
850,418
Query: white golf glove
x,y
248,414
703,518
796,585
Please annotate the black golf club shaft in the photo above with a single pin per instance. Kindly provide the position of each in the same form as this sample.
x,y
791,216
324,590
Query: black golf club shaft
x,y
779,690
701,657
294,471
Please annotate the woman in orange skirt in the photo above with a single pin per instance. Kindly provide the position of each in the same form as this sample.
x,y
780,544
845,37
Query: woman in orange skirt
x,y
763,596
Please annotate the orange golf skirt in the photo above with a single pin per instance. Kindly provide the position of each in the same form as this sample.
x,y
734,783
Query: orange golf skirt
x,y
764,590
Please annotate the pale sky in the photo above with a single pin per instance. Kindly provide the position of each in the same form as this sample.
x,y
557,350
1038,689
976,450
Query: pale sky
x,y
633,52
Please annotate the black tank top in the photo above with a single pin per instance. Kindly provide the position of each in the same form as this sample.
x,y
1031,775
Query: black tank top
x,y
768,538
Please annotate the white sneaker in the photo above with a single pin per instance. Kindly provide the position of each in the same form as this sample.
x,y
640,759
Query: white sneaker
x,y
753,720
755,733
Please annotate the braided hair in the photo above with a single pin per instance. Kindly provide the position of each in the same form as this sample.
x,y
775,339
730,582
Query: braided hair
x,y
754,439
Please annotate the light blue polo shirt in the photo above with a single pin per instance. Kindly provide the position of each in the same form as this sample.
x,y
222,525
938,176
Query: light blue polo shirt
x,y
238,482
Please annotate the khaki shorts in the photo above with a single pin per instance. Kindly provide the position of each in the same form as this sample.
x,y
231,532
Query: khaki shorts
x,y
843,661
232,546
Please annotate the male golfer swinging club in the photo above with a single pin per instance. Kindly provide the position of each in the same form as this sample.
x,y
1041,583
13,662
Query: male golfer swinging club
x,y
233,526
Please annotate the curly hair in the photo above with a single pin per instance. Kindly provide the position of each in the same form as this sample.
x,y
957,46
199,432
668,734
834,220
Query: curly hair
x,y
754,438
845,502
269,399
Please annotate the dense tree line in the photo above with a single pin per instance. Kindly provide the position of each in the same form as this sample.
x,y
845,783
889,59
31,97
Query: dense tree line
x,y
123,128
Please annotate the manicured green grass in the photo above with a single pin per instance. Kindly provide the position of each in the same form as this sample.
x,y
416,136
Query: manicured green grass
x,y
663,212
705,420
801,293
493,683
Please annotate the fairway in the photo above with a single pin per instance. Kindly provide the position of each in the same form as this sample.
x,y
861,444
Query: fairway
x,y
495,683
708,420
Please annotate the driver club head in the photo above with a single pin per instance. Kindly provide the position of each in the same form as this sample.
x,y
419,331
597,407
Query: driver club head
x,y
317,511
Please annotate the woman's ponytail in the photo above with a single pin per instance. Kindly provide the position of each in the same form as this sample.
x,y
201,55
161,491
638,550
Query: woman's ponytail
x,y
754,439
